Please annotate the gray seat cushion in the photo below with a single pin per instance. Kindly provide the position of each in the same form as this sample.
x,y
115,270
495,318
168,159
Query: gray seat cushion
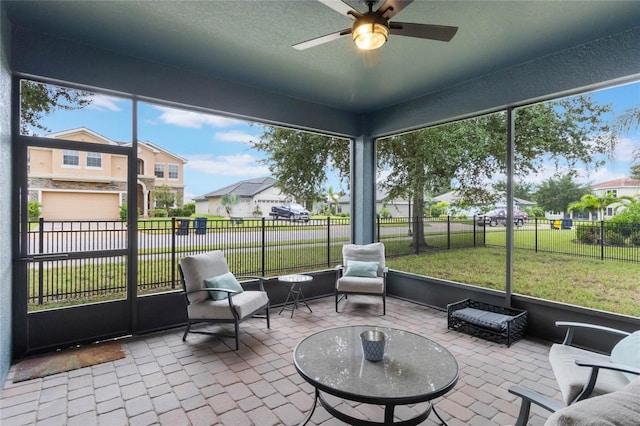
x,y
245,303
619,408
490,320
572,378
360,284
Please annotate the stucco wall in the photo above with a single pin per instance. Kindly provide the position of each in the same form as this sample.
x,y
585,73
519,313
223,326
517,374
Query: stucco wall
x,y
5,201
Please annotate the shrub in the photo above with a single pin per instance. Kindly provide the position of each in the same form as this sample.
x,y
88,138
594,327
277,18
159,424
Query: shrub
x,y
189,209
157,213
384,213
33,210
176,212
123,212
626,222
635,238
537,212
587,233
614,238
623,228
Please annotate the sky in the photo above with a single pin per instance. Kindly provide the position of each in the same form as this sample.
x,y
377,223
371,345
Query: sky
x,y
218,150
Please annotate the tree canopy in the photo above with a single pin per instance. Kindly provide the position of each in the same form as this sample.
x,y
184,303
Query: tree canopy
x,y
228,201
626,121
555,194
465,155
299,160
164,196
37,100
524,190
593,203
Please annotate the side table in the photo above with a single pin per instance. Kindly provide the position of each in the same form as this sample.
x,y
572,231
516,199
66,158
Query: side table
x,y
295,295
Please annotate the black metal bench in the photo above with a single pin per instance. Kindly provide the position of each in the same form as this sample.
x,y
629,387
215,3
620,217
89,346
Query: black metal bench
x,y
491,322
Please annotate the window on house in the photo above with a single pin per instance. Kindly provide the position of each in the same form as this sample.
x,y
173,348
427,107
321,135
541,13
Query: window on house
x,y
159,170
613,193
140,167
70,158
94,159
173,171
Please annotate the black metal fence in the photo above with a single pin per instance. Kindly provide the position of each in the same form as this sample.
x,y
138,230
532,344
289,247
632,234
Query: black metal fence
x,y
404,236
74,262
603,240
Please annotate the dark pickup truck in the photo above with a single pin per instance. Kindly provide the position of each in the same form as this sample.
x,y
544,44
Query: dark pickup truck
x,y
499,216
291,211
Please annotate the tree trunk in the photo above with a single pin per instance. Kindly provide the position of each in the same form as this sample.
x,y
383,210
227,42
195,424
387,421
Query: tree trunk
x,y
418,242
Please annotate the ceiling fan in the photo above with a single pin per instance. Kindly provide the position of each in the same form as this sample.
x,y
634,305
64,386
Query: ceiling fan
x,y
371,29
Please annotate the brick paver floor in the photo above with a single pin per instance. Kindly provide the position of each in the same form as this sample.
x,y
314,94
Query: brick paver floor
x,y
165,381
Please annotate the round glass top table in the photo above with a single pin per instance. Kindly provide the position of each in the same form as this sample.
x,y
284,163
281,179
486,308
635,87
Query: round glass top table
x,y
414,369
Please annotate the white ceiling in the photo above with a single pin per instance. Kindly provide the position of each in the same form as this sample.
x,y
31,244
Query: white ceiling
x,y
249,43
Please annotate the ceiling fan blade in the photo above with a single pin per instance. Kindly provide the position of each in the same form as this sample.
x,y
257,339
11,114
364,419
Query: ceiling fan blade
x,y
321,40
397,6
432,32
339,6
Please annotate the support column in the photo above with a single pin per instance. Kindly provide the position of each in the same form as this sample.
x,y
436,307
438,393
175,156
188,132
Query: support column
x,y
145,202
511,130
363,190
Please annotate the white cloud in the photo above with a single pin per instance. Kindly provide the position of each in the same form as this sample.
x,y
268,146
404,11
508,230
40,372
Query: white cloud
x,y
188,196
624,149
227,165
603,175
104,102
582,175
383,175
182,118
235,136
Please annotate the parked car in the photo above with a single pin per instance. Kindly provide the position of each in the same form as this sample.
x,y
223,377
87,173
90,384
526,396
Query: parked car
x,y
291,211
494,217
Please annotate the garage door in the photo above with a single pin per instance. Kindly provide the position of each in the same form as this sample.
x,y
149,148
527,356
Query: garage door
x,y
80,206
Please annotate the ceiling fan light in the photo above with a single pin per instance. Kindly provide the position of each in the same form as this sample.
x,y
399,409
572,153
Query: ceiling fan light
x,y
370,35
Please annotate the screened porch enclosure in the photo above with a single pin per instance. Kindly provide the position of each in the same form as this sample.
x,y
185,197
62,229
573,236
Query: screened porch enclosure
x,y
325,91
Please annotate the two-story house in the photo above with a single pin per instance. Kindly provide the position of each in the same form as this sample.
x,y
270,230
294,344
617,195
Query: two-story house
x,y
78,185
618,188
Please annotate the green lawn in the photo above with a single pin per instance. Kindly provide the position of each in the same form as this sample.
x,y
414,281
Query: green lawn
x,y
560,241
606,285
579,278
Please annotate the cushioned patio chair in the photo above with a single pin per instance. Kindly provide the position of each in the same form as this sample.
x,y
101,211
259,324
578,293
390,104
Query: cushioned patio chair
x,y
214,295
583,374
363,272
621,408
